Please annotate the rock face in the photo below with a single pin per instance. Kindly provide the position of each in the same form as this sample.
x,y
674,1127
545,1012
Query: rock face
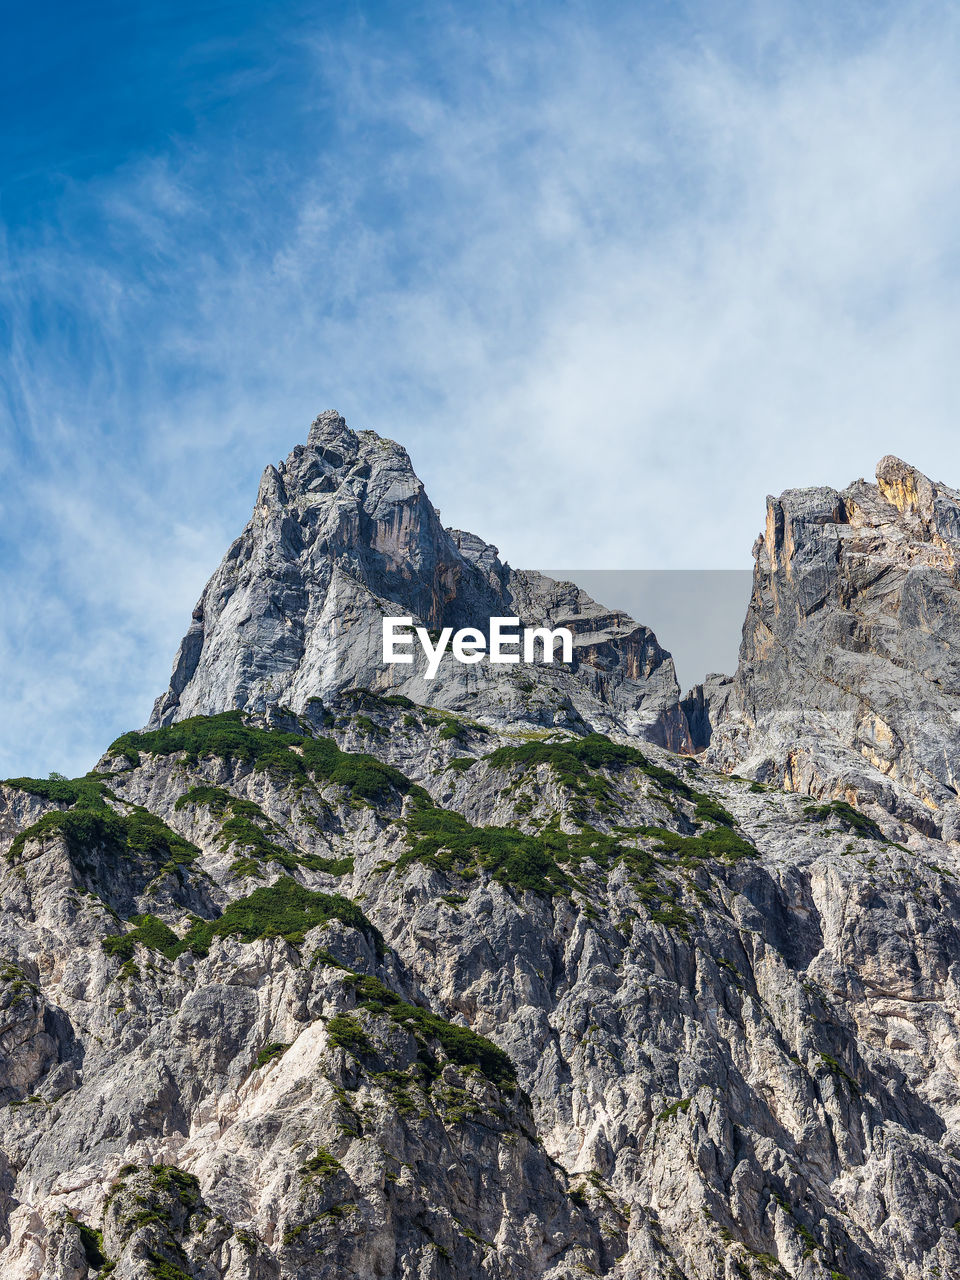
x,y
849,675
344,534
357,986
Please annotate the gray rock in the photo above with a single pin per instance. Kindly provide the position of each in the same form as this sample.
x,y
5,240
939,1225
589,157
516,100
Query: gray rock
x,y
849,678
343,534
730,1014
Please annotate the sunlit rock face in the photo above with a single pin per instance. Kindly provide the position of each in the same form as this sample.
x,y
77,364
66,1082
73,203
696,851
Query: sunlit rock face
x,y
849,674
426,981
342,535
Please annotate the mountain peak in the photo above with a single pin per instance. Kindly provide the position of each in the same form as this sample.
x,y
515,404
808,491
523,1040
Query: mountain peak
x,y
343,535
849,681
330,428
906,488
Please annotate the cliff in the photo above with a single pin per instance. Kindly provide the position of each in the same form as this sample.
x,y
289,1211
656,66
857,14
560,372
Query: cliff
x,y
848,683
310,979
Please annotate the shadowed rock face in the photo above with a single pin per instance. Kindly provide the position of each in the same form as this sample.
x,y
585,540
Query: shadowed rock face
x,y
732,1019
849,673
343,534
369,989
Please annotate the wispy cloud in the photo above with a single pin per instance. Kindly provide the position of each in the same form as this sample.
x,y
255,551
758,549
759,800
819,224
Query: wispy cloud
x,y
610,281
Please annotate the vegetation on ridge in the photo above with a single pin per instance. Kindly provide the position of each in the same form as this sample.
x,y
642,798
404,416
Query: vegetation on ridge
x,y
848,817
149,930
549,861
447,841
577,760
249,830
461,1045
286,910
282,910
292,758
92,823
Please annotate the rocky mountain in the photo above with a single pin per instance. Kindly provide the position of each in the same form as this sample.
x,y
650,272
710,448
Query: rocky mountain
x,y
319,976
849,675
342,535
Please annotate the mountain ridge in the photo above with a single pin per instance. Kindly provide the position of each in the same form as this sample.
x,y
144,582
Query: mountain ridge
x,y
342,532
349,984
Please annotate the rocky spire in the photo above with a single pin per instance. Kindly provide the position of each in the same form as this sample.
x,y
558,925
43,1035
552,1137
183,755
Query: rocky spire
x,y
342,534
329,430
849,675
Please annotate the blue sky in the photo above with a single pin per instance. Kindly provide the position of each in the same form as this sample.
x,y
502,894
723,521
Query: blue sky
x,y
612,272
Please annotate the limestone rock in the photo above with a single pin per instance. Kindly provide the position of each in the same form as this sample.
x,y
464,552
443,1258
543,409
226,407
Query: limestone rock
x,y
849,678
298,990
343,534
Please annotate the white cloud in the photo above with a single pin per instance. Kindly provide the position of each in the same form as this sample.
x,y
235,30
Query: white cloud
x,y
609,287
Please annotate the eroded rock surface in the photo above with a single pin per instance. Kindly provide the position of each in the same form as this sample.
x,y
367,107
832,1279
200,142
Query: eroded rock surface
x,y
563,1007
323,982
344,534
849,676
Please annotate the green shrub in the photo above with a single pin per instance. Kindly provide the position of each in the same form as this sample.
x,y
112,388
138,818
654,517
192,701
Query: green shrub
x,y
290,758
848,817
248,829
79,828
460,764
161,1269
835,1069
675,1108
59,790
447,841
173,1181
156,935
167,1182
216,799
285,910
251,841
92,823
276,1049
332,866
577,760
149,836
718,842
148,930
323,1165
345,1032
369,727
545,863
92,1243
461,1045
367,698
709,810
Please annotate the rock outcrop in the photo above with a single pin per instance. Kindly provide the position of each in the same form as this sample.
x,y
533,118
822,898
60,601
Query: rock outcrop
x,y
849,675
344,534
300,985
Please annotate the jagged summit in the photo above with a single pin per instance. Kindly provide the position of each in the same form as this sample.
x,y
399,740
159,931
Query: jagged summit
x,y
330,429
342,534
849,677
398,994
848,681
